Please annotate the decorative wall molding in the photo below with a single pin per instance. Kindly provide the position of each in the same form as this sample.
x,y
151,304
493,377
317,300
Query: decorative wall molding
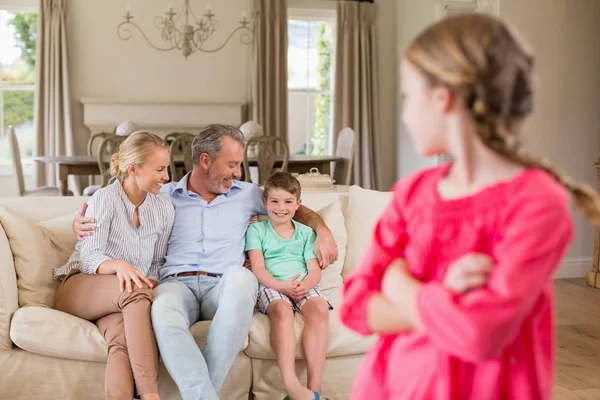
x,y
453,7
574,268
161,117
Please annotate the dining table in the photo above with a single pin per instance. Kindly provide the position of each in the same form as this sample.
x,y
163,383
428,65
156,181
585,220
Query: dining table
x,y
83,165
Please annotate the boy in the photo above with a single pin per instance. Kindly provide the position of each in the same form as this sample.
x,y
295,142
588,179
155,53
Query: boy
x,y
282,256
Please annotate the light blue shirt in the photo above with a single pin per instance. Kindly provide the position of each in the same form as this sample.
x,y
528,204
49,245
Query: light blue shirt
x,y
211,236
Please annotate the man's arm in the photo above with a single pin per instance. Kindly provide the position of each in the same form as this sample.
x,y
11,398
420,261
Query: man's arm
x,y
83,226
325,247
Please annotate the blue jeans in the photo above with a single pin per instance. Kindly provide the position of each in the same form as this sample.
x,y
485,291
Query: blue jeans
x,y
181,301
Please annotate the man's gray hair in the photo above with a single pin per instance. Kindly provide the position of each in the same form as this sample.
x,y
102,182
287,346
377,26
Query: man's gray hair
x,y
210,140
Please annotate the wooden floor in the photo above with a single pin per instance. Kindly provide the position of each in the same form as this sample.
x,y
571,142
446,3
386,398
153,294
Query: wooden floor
x,y
578,341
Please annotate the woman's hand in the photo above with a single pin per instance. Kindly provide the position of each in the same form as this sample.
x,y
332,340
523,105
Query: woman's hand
x,y
126,273
468,272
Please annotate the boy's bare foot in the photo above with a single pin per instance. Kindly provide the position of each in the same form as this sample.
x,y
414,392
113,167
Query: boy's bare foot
x,y
150,396
298,392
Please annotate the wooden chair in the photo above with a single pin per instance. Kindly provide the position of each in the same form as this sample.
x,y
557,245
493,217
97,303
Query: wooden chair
x,y
345,149
181,146
174,135
92,149
266,152
18,170
108,147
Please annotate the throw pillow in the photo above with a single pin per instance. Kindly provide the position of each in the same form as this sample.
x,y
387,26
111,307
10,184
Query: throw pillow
x,y
37,249
364,209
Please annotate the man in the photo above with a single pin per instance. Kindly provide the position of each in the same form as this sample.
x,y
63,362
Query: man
x,y
203,277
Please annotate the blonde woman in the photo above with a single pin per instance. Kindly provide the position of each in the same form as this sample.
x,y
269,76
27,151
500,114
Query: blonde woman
x,y
110,276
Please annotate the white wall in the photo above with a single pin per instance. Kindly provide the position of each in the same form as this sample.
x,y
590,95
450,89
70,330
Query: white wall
x,y
103,66
412,17
565,125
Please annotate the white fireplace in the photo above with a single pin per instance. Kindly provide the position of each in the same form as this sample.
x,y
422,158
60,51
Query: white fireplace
x,y
160,117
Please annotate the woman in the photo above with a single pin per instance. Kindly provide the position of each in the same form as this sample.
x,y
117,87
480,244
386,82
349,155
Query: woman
x,y
110,276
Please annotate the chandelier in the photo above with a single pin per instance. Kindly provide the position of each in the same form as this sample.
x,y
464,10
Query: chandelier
x,y
192,33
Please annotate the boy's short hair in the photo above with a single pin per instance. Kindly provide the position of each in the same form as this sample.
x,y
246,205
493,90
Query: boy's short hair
x,y
285,181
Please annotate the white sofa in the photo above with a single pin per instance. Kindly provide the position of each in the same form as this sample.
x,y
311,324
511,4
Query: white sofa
x,y
47,354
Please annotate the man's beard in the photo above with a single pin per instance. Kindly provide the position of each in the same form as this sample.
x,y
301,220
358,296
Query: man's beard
x,y
216,180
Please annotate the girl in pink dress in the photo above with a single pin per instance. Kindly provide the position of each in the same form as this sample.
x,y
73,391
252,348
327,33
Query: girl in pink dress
x,y
457,278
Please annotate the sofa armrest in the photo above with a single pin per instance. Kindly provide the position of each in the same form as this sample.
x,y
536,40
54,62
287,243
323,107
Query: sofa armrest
x,y
9,300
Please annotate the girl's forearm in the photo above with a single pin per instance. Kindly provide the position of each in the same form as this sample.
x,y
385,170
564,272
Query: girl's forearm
x,y
383,317
401,289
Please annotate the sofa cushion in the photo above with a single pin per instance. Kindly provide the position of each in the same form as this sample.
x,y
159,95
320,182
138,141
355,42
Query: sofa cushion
x,y
334,219
35,253
56,206
54,333
60,232
9,297
364,209
342,341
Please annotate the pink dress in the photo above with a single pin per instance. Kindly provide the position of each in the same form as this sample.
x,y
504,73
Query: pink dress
x,y
496,342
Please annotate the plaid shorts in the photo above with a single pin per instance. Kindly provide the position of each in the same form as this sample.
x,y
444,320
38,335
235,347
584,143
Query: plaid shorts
x,y
267,295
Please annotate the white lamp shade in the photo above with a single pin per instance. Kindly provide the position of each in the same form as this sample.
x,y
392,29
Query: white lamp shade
x,y
251,129
126,128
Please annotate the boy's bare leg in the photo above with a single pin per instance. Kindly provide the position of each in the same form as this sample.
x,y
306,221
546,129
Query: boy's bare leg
x,y
283,341
314,339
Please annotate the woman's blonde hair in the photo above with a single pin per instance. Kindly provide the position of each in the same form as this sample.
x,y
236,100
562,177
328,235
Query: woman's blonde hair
x,y
134,150
478,58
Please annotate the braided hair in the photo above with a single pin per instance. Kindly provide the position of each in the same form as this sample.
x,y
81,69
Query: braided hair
x,y
479,58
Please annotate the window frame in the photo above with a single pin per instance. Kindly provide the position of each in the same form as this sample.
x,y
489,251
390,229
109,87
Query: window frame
x,y
11,6
327,15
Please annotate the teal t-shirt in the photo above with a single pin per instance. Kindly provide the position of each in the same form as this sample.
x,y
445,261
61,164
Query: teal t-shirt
x,y
284,258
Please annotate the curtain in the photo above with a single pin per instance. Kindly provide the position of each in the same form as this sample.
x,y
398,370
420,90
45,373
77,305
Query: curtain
x,y
356,87
54,134
269,83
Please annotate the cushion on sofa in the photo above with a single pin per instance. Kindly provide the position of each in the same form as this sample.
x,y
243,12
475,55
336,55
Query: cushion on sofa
x,y
342,341
364,209
334,219
37,248
54,333
9,297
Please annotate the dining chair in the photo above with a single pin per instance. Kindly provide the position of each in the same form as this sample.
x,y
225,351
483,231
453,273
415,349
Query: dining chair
x,y
92,149
344,148
265,148
108,146
170,137
181,146
18,170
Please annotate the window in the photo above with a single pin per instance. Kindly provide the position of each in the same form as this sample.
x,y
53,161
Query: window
x,y
311,58
17,82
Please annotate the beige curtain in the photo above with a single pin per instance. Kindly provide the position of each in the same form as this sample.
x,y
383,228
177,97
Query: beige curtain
x,y
269,83
356,88
54,133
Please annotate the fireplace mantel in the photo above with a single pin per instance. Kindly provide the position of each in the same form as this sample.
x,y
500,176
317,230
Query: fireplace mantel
x,y
161,117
